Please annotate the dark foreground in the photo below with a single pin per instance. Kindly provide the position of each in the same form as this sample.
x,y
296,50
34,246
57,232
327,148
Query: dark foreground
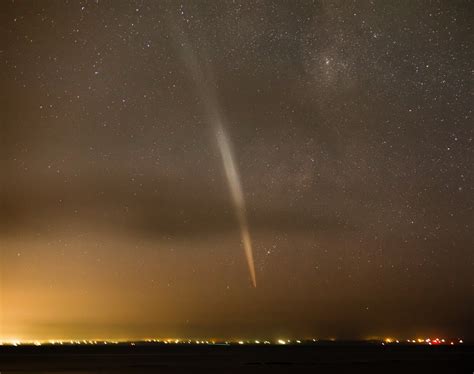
x,y
348,358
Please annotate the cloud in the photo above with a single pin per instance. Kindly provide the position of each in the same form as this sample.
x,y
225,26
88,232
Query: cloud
x,y
170,208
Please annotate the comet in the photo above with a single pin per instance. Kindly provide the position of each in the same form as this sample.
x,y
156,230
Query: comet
x,y
237,195
206,89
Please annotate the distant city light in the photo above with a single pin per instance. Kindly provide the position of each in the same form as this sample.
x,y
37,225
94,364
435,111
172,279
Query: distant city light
x,y
384,341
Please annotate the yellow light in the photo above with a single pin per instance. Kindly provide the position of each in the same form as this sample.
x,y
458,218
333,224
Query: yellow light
x,y
257,341
241,342
281,341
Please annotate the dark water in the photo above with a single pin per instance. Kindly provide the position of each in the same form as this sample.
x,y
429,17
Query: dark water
x,y
237,359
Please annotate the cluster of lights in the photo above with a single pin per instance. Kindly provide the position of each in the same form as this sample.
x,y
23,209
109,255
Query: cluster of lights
x,y
16,342
38,343
428,341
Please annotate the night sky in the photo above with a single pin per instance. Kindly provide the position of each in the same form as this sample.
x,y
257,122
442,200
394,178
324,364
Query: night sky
x,y
348,135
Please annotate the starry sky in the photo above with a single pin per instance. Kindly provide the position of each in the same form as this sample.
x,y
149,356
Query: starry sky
x,y
351,129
